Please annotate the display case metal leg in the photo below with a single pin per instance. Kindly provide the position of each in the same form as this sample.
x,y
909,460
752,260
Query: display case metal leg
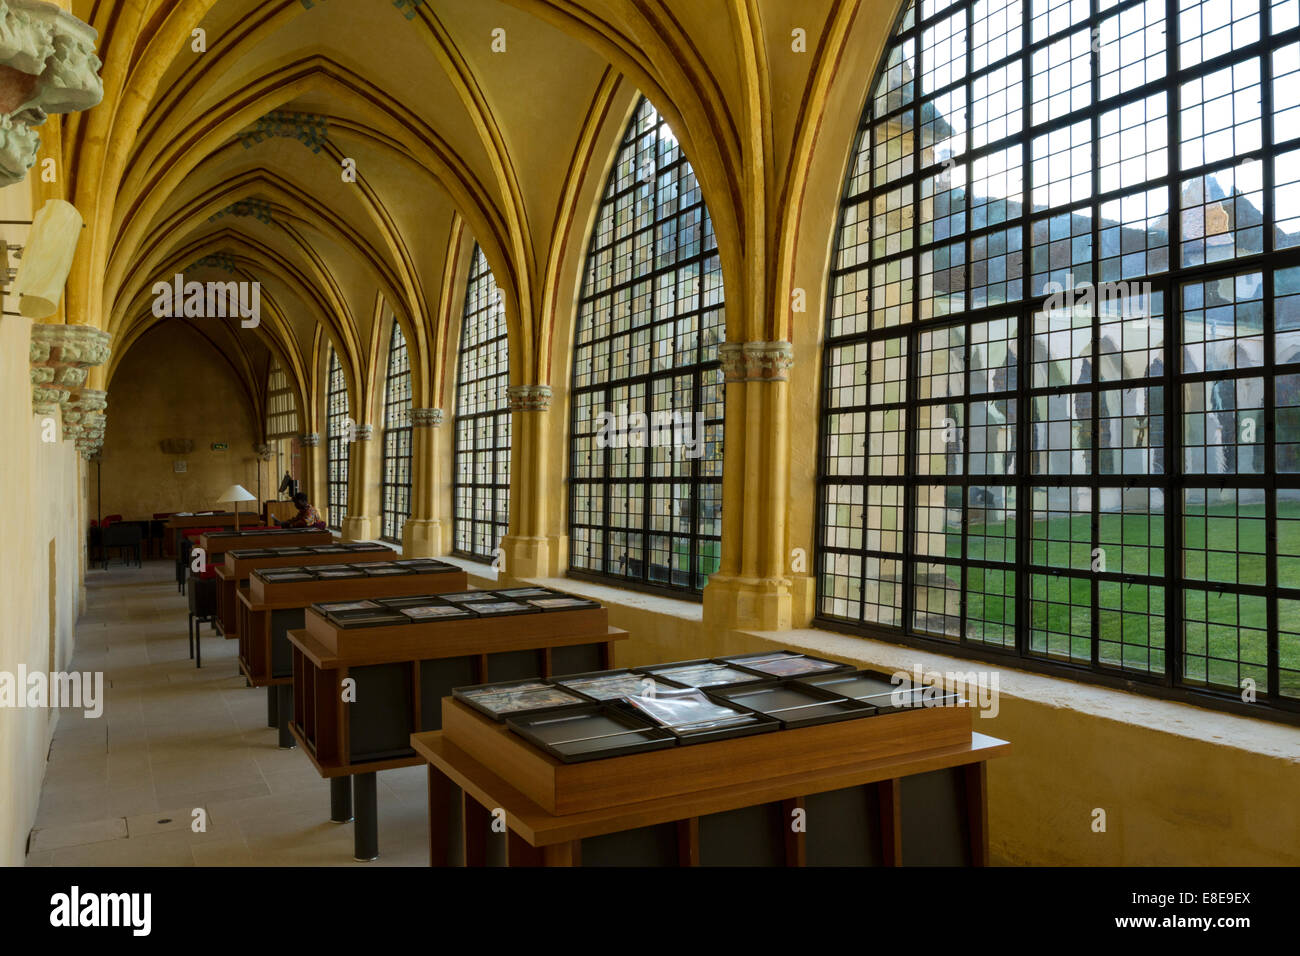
x,y
272,699
191,618
340,800
476,824
365,828
283,709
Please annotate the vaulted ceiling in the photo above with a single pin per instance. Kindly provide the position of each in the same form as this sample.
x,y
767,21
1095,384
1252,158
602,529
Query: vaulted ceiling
x,y
222,147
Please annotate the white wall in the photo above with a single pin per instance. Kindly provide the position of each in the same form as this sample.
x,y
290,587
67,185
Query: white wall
x,y
40,489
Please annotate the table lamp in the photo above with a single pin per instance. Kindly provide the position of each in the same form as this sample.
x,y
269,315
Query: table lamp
x,y
236,494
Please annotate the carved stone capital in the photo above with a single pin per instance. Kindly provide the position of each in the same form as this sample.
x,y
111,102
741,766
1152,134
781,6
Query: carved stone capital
x,y
263,452
529,398
426,417
70,376
81,345
364,433
83,412
61,357
756,361
90,435
52,69
309,441
47,398
90,400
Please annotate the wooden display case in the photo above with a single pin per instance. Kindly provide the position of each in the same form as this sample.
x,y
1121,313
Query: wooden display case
x,y
217,543
268,610
239,564
397,675
177,524
903,786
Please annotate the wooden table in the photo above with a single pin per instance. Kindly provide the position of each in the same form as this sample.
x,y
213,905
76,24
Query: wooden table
x,y
268,610
238,564
177,524
397,678
894,789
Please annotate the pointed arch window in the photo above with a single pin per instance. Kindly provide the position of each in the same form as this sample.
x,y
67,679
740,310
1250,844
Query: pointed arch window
x,y
645,500
395,492
1061,395
481,467
337,422
281,409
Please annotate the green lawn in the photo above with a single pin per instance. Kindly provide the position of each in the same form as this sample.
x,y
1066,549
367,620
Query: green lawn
x,y
1225,634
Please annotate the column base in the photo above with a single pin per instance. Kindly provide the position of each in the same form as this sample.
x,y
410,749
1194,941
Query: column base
x,y
422,538
357,528
803,599
758,604
539,557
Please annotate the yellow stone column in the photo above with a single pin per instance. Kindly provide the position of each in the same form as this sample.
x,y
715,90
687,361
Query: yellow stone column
x,y
533,548
311,481
362,518
752,588
422,535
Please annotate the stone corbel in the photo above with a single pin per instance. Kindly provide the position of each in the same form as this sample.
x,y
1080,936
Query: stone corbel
x,y
426,417
83,406
61,357
364,433
91,440
529,398
756,361
47,65
309,441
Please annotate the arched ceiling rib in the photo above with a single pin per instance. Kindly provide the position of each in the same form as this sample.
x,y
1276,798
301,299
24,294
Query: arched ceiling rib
x,y
454,140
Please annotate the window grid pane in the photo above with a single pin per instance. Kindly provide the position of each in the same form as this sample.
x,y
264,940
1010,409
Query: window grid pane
x,y
395,492
481,460
340,434
281,409
646,450
1012,459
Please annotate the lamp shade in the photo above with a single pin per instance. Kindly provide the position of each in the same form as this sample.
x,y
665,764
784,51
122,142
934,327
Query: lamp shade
x,y
237,493
47,258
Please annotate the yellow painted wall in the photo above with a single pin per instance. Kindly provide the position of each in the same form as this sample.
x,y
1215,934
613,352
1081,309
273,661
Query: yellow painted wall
x,y
41,487
173,384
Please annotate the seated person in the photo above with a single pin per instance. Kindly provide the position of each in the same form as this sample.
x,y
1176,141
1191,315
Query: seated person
x,y
307,516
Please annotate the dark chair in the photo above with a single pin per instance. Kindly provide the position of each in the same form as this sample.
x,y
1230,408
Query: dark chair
x,y
95,542
189,541
155,537
121,537
202,594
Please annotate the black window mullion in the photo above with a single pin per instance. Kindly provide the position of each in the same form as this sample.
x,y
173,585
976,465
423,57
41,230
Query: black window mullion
x,y
909,558
1094,117
1025,340
1267,168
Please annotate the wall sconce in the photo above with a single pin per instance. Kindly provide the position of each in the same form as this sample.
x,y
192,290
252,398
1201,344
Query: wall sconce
x,y
47,259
